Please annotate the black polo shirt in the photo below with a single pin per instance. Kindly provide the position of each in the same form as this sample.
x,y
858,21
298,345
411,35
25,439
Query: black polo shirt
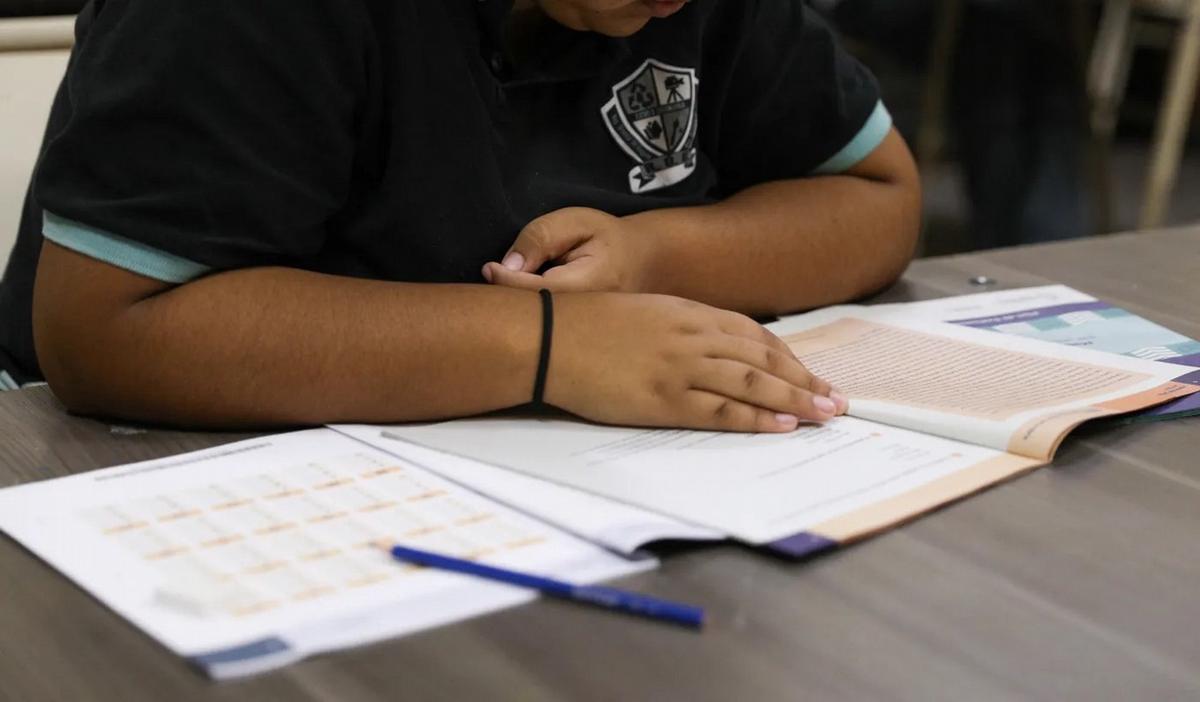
x,y
410,139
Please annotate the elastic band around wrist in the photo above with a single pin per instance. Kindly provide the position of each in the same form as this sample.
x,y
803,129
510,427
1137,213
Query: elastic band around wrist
x,y
539,384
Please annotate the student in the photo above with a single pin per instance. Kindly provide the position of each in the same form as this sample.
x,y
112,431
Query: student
x,y
278,212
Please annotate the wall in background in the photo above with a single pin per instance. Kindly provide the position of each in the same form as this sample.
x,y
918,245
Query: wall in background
x,y
28,80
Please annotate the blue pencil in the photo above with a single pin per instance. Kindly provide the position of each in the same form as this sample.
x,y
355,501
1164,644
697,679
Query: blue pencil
x,y
607,597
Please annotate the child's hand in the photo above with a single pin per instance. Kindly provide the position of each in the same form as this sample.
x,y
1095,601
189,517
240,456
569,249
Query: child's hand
x,y
588,251
653,360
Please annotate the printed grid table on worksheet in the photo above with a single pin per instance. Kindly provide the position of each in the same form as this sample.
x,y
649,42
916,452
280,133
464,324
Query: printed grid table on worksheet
x,y
300,532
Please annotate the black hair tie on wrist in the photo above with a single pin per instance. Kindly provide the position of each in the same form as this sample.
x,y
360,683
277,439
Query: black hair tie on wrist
x,y
539,385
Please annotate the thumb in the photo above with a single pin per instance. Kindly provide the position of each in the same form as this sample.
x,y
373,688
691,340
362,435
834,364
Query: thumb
x,y
549,237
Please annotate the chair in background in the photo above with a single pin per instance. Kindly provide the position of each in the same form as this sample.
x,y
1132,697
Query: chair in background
x,y
1119,33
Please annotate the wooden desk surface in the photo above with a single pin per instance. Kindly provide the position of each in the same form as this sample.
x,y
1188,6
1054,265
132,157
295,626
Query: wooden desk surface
x,y
1080,581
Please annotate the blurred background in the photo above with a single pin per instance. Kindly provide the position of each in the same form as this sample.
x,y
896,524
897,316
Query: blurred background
x,y
1032,120
1038,120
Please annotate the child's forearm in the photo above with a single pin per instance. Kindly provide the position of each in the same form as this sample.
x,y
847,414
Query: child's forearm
x,y
791,245
262,347
277,346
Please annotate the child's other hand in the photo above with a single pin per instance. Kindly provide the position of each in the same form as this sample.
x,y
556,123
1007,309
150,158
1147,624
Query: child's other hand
x,y
653,360
581,250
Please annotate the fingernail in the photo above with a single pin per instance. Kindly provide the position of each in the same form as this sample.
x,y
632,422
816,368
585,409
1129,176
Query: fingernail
x,y
840,400
514,261
824,405
487,272
789,421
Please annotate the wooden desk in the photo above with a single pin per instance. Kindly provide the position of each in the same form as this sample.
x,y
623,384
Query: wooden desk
x,y
1080,581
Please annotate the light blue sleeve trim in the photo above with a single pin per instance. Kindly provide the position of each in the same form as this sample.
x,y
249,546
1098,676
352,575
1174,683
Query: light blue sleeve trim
x,y
867,140
7,382
119,251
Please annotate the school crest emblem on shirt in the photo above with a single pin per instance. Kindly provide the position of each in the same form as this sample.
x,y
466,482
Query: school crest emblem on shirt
x,y
652,115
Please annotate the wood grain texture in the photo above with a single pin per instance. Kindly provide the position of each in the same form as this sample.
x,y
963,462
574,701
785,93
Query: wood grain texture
x,y
1077,582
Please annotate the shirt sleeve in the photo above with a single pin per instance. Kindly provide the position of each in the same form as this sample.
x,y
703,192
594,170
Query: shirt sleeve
x,y
798,104
203,135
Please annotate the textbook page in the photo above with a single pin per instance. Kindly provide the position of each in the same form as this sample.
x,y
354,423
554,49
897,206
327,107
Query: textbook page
x,y
1009,393
250,556
615,525
1063,315
798,493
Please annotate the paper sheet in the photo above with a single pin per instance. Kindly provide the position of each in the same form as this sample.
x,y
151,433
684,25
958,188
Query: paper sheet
x,y
250,556
874,361
615,525
817,485
1009,393
1063,315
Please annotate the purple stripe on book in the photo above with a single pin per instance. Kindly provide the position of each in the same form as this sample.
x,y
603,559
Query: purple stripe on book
x,y
802,544
1192,360
255,649
1184,405
1192,378
1034,314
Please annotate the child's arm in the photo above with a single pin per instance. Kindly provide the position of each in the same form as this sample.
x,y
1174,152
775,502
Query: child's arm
x,y
279,346
773,248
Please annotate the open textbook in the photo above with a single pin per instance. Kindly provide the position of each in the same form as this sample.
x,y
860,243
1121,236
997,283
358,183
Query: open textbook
x,y
252,555
937,412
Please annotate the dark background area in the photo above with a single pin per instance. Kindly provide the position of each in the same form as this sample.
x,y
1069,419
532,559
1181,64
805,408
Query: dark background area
x,y
1016,160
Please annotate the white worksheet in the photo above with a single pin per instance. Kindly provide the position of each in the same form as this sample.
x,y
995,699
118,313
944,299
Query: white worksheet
x,y
759,488
252,555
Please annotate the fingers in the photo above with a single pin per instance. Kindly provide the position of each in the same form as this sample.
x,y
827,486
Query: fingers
x,y
741,325
575,276
497,274
754,386
782,365
549,237
754,344
716,412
